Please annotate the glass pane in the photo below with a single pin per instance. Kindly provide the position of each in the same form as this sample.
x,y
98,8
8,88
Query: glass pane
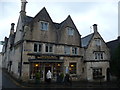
x,y
35,47
44,26
46,48
67,50
40,48
72,68
70,31
50,49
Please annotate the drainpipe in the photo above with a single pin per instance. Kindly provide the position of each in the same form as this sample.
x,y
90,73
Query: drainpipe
x,y
21,59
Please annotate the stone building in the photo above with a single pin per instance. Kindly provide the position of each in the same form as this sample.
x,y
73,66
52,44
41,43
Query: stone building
x,y
0,59
96,57
39,45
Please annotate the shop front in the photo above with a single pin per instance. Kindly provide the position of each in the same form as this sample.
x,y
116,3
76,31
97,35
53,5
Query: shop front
x,y
41,64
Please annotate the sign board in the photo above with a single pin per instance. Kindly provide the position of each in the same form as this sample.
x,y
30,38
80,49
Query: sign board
x,y
2,43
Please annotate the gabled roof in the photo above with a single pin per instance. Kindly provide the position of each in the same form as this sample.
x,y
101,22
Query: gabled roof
x,y
86,40
57,25
69,21
43,14
28,19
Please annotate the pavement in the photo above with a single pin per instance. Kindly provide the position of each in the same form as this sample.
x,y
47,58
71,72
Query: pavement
x,y
75,84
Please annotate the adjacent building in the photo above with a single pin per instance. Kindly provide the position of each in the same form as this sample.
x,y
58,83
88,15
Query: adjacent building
x,y
39,45
96,57
113,45
0,59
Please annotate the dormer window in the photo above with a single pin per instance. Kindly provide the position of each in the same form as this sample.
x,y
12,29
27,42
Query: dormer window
x,y
97,42
70,31
44,25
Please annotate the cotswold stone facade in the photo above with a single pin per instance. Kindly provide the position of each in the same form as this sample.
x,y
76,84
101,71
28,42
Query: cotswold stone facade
x,y
96,57
39,45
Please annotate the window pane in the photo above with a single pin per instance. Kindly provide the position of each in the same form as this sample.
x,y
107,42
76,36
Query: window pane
x,y
95,55
50,49
40,47
72,68
67,50
35,47
101,55
46,48
98,42
44,26
97,72
74,51
70,31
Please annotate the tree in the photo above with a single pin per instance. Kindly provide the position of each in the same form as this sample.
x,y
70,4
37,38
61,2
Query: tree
x,y
115,62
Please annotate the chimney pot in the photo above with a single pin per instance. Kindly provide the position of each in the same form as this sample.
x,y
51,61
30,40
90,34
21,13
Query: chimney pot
x,y
95,28
23,6
12,28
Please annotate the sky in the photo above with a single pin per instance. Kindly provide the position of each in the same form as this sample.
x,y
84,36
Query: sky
x,y
84,14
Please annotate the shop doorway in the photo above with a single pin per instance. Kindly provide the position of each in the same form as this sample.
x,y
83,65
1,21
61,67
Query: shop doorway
x,y
108,74
46,70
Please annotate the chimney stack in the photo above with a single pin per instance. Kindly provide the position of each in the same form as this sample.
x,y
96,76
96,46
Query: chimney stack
x,y
23,6
95,28
12,28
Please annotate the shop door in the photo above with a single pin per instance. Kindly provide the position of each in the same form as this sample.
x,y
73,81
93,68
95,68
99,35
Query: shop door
x,y
46,70
108,74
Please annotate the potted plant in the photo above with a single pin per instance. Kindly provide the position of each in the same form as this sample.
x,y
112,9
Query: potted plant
x,y
37,77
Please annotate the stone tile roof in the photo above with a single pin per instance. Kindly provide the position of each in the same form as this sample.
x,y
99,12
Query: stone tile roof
x,y
86,40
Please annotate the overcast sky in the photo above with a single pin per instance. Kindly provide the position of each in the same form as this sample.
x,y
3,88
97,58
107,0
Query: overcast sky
x,y
84,13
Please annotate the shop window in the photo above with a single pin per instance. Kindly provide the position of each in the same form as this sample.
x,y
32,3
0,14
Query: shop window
x,y
35,68
37,47
97,72
67,50
44,25
70,31
57,68
98,55
49,48
74,50
72,68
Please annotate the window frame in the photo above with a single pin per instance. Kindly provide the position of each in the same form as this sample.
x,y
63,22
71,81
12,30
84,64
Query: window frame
x,y
98,55
73,69
70,31
98,42
44,25
96,72
74,50
67,50
48,48
38,47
